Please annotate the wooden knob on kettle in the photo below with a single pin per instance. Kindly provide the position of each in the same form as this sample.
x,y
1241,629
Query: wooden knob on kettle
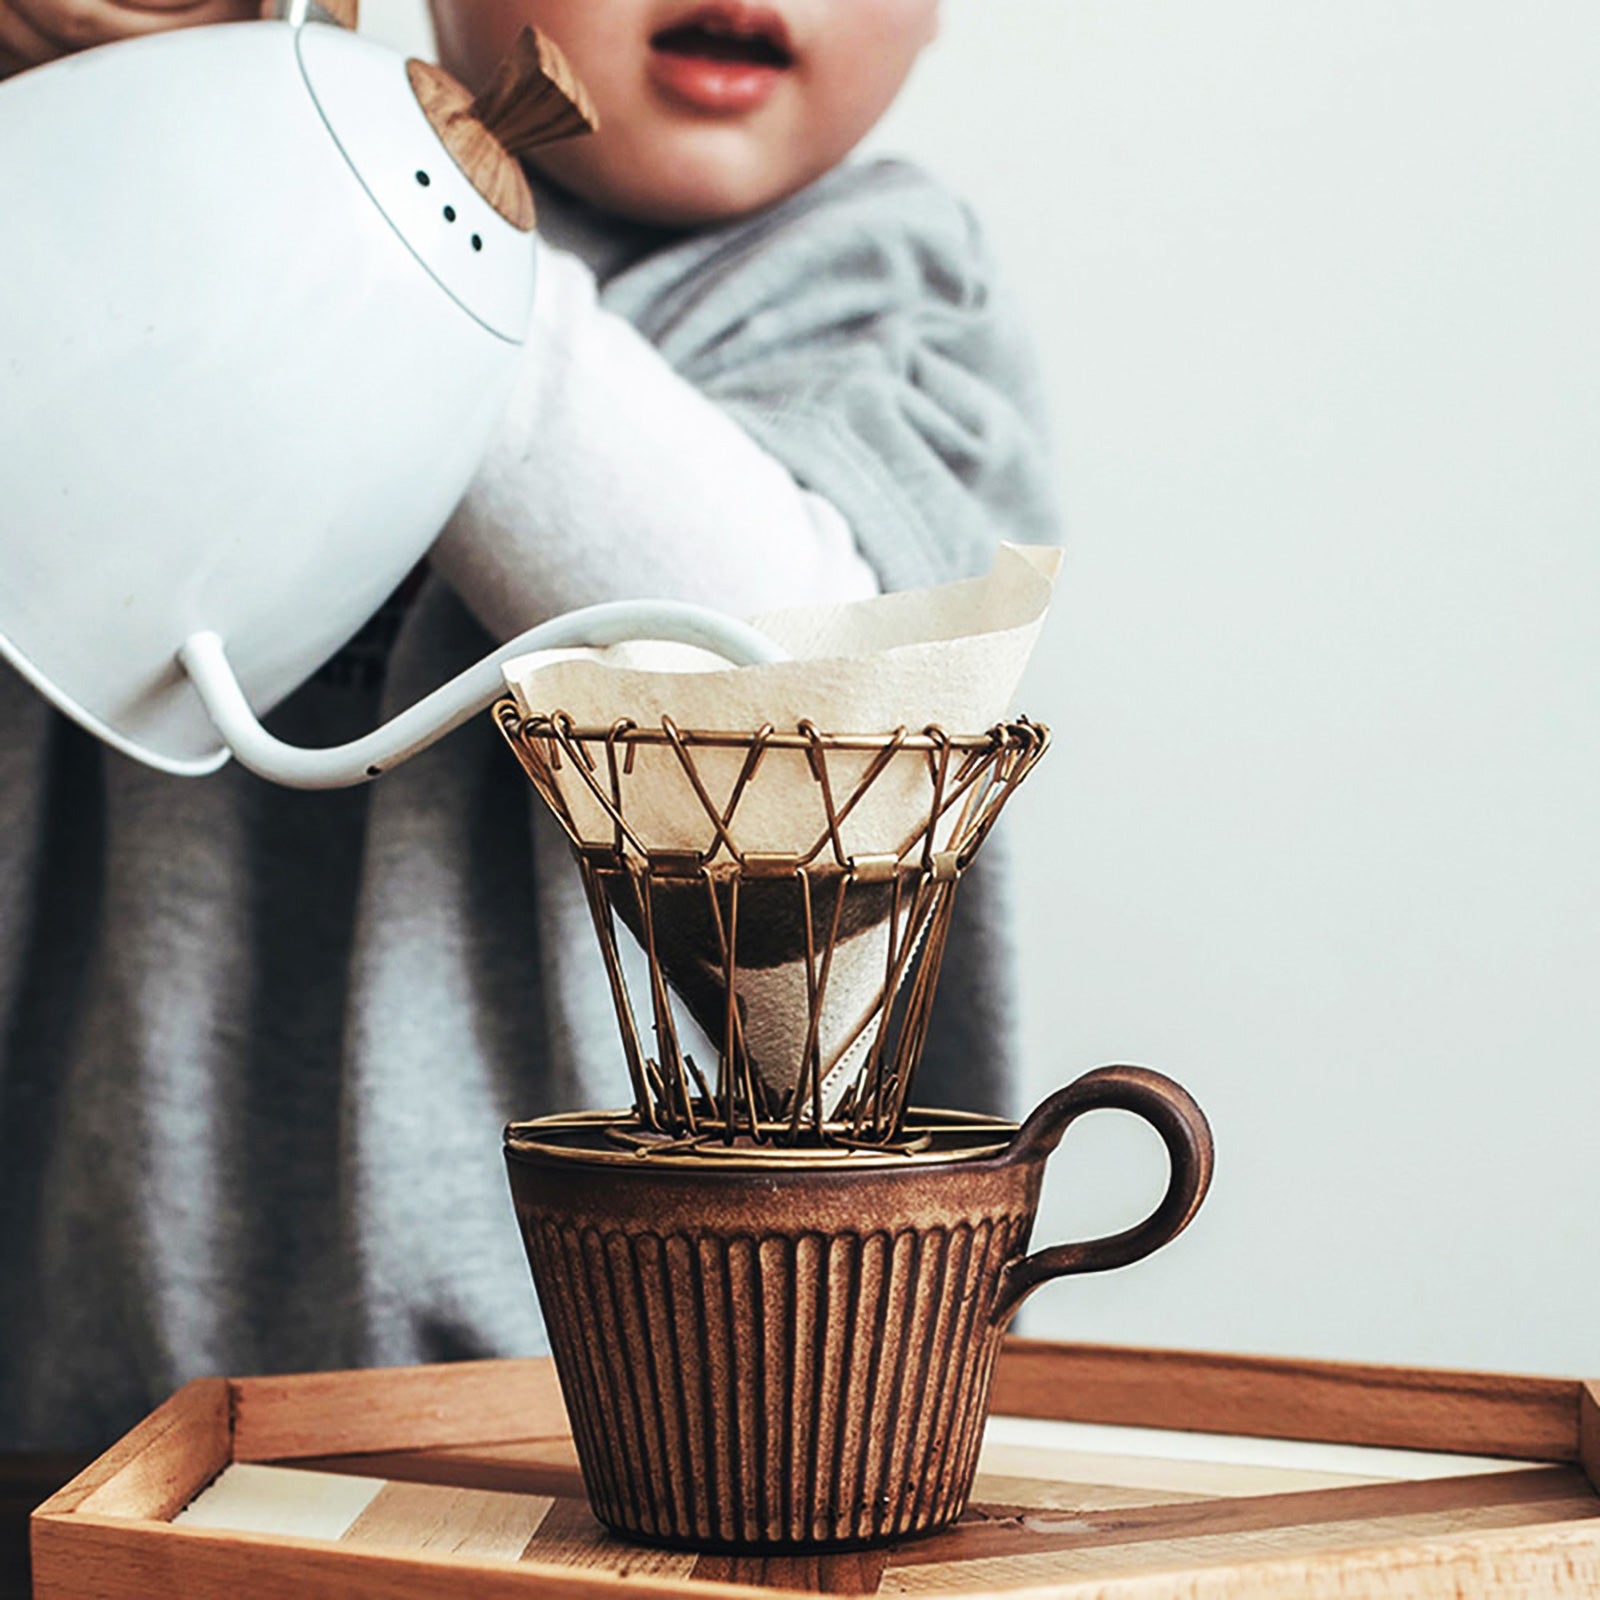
x,y
533,99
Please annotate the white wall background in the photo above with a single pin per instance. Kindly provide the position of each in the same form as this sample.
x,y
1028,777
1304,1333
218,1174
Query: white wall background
x,y
1314,284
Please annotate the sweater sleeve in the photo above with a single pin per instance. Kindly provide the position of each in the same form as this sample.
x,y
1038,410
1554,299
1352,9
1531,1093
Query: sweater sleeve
x,y
858,333
829,397
611,477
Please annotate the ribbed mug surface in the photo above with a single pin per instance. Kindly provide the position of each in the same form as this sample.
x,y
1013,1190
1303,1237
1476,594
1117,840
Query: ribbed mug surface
x,y
772,1360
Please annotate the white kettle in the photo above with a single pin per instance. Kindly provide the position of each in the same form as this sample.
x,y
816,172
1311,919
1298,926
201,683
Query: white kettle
x,y
264,289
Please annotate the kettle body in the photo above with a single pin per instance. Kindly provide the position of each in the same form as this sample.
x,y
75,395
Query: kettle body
x,y
256,333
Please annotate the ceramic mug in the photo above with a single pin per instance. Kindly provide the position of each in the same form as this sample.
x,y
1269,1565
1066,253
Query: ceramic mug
x,y
766,1351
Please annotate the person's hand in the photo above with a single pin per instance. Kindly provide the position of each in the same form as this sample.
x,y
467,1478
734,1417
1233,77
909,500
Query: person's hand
x,y
35,31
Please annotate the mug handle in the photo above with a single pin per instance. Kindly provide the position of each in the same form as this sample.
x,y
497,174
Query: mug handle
x,y
1172,1112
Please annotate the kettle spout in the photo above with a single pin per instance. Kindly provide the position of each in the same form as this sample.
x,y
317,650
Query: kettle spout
x,y
205,658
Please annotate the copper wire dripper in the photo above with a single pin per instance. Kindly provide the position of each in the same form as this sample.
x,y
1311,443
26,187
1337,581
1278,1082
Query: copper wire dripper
x,y
708,917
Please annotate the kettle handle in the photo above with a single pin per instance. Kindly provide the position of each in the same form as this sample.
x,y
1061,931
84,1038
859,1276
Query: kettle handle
x,y
205,658
1173,1113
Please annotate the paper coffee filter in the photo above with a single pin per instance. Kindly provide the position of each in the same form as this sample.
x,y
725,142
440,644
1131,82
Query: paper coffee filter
x,y
949,658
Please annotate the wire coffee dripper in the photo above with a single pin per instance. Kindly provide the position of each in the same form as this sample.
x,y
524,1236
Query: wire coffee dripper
x,y
721,923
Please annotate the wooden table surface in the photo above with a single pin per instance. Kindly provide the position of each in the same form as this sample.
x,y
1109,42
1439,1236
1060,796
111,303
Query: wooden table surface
x,y
1053,1501
463,1479
1015,1448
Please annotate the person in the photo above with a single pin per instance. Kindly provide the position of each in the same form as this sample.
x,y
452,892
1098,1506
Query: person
x,y
258,1046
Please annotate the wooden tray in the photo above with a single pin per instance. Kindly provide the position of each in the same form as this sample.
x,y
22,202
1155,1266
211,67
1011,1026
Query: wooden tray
x,y
461,1481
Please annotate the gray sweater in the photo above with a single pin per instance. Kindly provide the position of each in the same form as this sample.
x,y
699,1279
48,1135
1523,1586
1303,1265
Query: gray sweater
x,y
257,1046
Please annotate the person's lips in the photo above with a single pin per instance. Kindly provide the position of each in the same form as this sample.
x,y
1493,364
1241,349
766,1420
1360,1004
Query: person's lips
x,y
722,58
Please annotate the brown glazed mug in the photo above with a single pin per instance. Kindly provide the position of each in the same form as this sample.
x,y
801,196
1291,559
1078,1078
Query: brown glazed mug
x,y
766,1350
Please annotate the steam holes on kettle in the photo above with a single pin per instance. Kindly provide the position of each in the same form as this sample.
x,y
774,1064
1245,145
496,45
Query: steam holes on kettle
x,y
423,181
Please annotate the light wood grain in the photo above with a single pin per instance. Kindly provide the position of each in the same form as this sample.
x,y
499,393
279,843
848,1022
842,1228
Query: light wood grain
x,y
85,1558
161,1465
1376,1512
1551,1563
481,158
570,1537
395,1408
533,100
990,1489
433,1520
1532,1419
